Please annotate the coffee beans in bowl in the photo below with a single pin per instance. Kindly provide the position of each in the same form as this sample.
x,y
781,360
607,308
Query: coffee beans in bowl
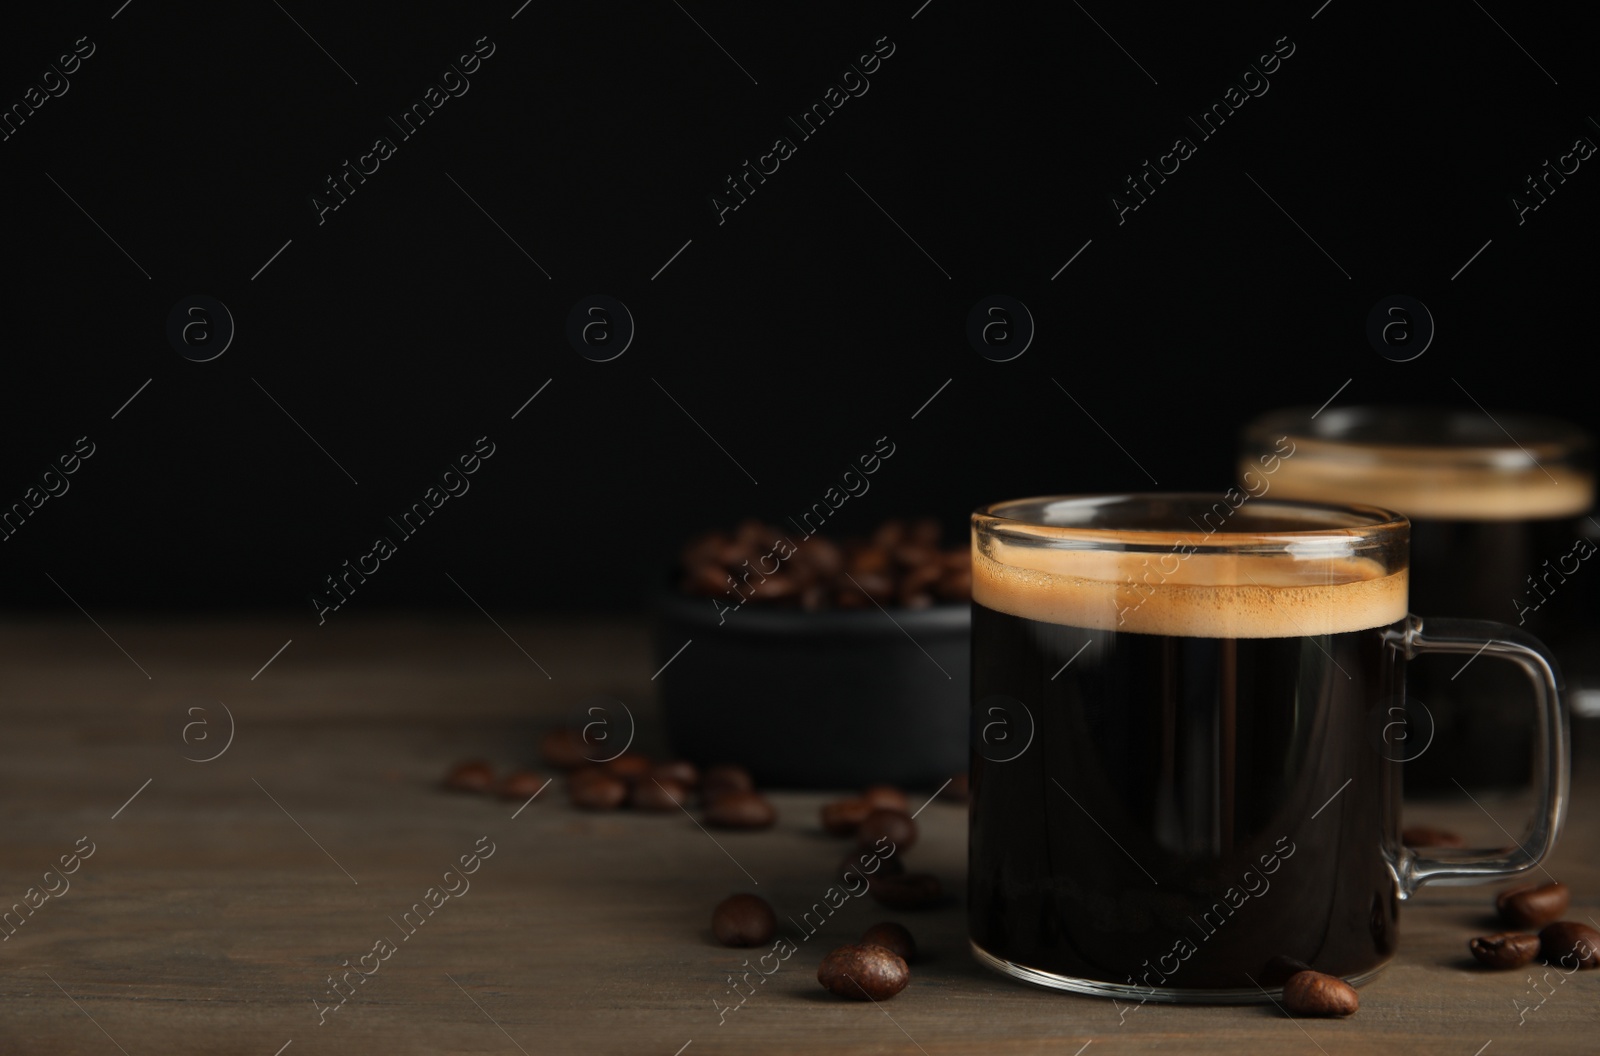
x,y
819,662
902,565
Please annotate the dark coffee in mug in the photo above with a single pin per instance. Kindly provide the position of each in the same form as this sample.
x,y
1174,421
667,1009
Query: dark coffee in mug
x,y
1178,779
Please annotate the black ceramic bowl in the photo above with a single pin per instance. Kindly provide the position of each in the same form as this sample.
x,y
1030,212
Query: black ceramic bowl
x,y
832,699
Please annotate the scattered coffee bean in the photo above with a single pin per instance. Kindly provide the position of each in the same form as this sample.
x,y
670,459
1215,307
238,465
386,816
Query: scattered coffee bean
x,y
908,891
520,784
897,825
893,937
1277,971
725,777
740,810
1315,994
472,776
958,790
656,795
844,816
592,788
744,920
1505,950
680,770
886,797
563,749
629,766
1428,836
1569,943
864,973
1533,905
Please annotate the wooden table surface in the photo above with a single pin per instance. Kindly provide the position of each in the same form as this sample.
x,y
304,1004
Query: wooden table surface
x,y
218,900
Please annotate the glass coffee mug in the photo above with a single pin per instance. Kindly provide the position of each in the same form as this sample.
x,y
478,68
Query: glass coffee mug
x,y
1181,788
1498,531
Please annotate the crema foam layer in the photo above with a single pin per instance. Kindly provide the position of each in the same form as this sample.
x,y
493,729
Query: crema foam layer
x,y
1436,492
1201,595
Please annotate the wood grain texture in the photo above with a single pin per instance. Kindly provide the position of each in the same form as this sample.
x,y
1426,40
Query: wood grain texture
x,y
209,916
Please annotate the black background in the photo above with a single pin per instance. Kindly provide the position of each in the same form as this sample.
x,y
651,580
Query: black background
x,y
797,332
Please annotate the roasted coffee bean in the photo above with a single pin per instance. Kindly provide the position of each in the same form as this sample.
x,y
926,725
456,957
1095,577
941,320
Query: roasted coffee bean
x,y
897,825
1315,994
959,789
725,777
563,749
814,597
844,816
680,770
592,788
958,560
1570,944
908,891
926,530
893,937
744,920
1505,950
740,810
1277,971
629,766
657,794
520,784
1533,905
886,797
864,973
1428,836
472,776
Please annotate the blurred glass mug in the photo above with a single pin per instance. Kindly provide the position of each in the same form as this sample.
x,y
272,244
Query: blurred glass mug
x,y
1496,533
1180,788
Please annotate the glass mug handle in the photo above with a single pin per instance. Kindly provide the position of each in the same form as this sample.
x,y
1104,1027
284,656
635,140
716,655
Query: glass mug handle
x,y
1414,636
